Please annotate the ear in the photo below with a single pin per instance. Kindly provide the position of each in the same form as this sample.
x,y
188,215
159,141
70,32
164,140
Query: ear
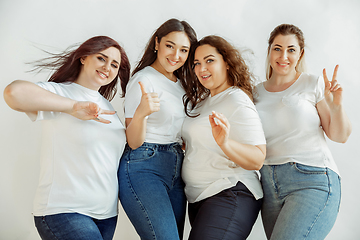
x,y
82,60
301,54
156,44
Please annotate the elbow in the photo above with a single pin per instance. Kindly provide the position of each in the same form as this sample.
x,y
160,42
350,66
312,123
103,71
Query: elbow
x,y
259,164
134,146
11,92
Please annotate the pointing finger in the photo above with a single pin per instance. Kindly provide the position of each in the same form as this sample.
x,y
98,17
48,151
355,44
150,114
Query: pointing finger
x,y
109,112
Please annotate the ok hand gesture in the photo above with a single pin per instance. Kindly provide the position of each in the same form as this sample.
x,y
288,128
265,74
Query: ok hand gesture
x,y
333,90
149,103
220,127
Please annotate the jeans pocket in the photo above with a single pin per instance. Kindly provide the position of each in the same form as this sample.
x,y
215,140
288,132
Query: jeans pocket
x,y
141,153
309,169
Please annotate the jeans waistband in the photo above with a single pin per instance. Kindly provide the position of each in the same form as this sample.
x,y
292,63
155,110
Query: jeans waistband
x,y
160,147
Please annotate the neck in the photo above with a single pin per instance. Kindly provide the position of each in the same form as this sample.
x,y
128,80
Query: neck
x,y
278,82
160,69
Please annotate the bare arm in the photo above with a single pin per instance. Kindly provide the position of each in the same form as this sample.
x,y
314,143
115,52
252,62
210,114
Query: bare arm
x,y
25,96
249,157
334,120
136,126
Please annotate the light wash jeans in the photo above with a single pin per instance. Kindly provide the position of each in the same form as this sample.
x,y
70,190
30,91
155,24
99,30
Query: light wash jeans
x,y
74,226
151,190
300,201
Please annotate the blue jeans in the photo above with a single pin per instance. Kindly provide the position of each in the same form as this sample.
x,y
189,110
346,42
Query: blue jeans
x,y
151,190
74,226
300,201
228,215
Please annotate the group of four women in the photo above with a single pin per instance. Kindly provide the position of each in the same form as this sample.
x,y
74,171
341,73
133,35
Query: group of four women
x,y
192,95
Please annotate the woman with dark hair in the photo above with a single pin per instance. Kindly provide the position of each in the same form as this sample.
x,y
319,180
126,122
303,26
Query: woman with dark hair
x,y
300,178
150,185
77,193
225,144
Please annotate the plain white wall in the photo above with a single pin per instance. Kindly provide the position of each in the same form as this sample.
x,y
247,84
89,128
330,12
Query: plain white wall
x,y
332,33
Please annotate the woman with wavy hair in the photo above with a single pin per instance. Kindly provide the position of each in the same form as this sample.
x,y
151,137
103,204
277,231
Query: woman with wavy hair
x,y
151,188
300,178
225,144
77,193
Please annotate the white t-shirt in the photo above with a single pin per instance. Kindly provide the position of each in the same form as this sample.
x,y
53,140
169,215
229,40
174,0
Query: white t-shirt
x,y
164,126
292,124
79,159
206,169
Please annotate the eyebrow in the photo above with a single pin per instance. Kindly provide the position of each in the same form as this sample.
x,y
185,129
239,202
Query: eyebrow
x,y
108,57
288,46
210,55
175,43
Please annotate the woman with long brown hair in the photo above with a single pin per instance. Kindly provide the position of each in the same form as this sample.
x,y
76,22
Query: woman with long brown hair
x,y
225,144
77,193
151,188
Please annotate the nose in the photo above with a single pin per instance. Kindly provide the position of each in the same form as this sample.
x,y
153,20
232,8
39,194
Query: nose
x,y
284,55
106,67
203,68
177,54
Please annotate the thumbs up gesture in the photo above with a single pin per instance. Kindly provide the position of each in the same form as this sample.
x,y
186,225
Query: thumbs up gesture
x,y
149,103
333,90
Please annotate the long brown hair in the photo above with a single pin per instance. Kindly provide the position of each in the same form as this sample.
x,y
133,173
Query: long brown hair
x,y
238,72
67,64
171,25
286,29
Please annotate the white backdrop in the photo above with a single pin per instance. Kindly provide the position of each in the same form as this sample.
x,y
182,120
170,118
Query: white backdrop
x,y
332,33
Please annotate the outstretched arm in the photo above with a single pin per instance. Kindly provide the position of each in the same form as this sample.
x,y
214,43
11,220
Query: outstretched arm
x,y
334,120
25,96
136,126
249,157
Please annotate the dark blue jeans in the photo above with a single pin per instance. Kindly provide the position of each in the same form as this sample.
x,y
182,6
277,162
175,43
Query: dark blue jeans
x,y
151,190
228,215
74,226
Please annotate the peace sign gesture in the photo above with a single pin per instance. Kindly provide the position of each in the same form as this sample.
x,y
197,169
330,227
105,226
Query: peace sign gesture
x,y
149,103
333,90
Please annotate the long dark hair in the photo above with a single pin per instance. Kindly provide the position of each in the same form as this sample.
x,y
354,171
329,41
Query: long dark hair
x,y
238,72
171,25
67,64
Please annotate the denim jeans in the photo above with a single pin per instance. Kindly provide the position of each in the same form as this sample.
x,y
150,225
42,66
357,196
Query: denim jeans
x,y
228,215
151,190
74,226
300,201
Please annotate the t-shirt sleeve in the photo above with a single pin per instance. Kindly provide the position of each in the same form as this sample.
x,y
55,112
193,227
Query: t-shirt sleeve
x,y
245,126
133,93
43,115
320,89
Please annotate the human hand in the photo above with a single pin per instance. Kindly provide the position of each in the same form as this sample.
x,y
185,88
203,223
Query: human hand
x,y
149,103
220,127
90,111
333,90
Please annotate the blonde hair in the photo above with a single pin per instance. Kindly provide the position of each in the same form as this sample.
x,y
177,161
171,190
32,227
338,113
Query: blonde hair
x,y
286,29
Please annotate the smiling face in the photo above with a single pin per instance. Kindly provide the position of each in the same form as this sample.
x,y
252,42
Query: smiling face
x,y
211,69
284,54
99,69
172,52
